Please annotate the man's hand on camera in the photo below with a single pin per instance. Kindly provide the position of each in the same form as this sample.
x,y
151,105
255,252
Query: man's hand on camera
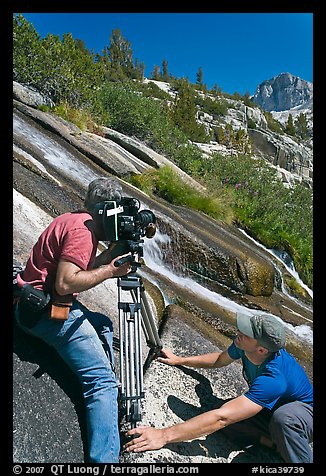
x,y
124,268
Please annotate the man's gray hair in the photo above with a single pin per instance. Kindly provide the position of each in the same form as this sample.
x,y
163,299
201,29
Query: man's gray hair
x,y
100,190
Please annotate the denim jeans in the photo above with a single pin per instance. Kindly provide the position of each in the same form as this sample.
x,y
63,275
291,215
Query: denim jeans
x,y
84,342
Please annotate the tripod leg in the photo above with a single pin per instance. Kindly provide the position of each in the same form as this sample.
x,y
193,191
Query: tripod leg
x,y
148,321
131,369
122,350
138,355
136,316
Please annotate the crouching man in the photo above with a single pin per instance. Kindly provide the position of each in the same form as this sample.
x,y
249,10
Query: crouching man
x,y
276,410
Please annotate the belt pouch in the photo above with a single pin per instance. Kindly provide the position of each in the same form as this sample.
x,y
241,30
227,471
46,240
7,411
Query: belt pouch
x,y
60,307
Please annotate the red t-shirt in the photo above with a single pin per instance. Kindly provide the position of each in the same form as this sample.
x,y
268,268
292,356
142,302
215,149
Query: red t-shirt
x,y
71,237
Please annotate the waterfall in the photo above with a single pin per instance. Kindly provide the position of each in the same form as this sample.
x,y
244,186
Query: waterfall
x,y
154,259
54,154
286,261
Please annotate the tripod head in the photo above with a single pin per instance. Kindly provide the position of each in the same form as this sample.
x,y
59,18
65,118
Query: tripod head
x,y
135,247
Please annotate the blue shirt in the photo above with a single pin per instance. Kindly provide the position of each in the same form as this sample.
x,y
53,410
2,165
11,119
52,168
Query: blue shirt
x,y
277,381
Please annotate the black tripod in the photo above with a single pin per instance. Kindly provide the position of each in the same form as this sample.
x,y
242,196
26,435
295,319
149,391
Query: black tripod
x,y
133,316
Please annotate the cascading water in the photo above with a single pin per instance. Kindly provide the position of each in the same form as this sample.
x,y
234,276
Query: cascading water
x,y
154,259
286,261
55,155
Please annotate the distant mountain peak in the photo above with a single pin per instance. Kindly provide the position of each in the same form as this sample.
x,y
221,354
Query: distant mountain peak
x,y
283,92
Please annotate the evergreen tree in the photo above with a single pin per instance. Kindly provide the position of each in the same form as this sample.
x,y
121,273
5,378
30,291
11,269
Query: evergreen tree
x,y
139,70
289,127
120,54
246,99
27,51
229,136
301,125
199,77
165,74
63,70
216,90
156,73
185,112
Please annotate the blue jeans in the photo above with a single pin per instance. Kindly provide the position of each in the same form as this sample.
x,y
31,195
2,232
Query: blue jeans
x,y
84,342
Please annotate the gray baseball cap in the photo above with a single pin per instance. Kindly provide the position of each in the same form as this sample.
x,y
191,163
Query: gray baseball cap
x,y
265,328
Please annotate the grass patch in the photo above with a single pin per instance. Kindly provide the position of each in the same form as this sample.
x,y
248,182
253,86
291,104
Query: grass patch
x,y
81,118
165,183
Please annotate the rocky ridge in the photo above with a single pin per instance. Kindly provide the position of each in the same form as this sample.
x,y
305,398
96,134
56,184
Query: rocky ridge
x,y
292,159
283,92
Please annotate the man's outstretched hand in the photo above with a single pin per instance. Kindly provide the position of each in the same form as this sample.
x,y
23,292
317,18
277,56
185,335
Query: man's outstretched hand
x,y
145,438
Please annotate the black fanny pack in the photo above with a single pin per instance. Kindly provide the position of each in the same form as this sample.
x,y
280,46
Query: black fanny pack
x,y
32,299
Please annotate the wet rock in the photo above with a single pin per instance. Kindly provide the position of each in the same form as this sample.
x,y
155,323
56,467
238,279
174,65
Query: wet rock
x,y
209,252
103,152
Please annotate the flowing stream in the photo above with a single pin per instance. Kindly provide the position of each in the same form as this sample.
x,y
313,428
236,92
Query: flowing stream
x,y
154,259
287,262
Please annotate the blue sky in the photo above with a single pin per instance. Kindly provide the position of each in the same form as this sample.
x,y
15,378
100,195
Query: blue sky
x,y
236,51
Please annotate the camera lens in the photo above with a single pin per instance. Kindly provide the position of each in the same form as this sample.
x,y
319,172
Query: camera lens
x,y
146,217
147,220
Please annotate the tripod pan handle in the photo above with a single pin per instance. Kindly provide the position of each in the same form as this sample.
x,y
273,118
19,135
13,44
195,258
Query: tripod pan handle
x,y
121,261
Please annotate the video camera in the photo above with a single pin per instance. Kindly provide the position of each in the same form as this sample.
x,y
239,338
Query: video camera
x,y
124,225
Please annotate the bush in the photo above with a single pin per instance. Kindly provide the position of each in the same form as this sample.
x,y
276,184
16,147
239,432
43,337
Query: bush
x,y
277,216
125,110
215,107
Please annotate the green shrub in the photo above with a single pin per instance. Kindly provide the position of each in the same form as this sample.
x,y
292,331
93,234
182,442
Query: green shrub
x,y
125,110
215,107
277,216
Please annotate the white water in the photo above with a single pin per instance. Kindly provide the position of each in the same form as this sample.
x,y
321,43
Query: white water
x,y
54,154
153,258
290,268
35,162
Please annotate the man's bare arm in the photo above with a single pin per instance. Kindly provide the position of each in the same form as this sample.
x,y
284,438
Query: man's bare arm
x,y
205,361
70,278
149,438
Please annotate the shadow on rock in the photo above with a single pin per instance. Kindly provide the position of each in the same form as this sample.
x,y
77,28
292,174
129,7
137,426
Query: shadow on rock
x,y
185,411
30,349
215,445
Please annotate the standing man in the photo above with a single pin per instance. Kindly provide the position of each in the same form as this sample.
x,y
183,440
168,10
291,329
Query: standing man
x,y
276,410
63,263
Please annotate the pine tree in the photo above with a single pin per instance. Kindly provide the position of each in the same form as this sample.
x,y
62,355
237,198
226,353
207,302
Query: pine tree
x,y
199,77
27,51
216,90
120,54
184,113
165,74
139,70
301,125
156,74
289,127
